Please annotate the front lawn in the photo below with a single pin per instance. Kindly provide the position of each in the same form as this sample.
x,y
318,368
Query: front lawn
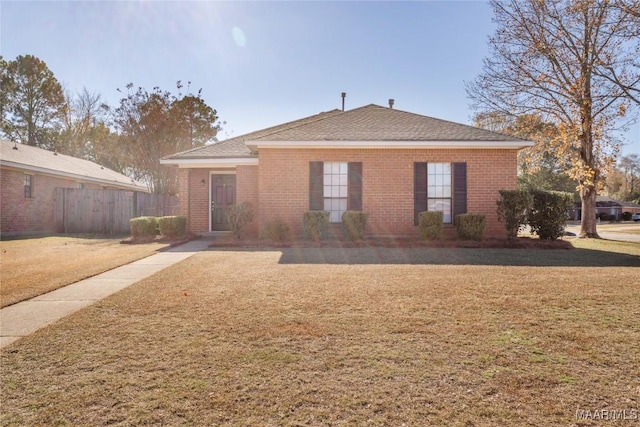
x,y
33,266
261,337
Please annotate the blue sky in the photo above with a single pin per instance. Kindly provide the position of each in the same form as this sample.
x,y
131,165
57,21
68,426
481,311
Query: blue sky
x,y
264,63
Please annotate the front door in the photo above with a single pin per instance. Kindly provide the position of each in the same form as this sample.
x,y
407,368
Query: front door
x,y
223,195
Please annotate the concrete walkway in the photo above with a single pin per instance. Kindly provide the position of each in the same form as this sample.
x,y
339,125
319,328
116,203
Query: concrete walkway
x,y
26,317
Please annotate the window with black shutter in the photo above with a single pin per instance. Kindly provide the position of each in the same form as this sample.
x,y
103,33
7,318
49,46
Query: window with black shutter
x,y
335,187
440,187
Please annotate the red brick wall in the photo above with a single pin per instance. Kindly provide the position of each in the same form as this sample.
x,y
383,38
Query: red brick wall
x,y
35,214
247,191
198,203
387,183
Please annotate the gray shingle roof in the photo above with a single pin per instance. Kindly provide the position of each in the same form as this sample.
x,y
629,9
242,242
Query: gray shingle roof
x,y
235,147
369,123
60,164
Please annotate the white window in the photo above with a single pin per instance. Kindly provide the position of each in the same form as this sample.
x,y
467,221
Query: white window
x,y
439,189
28,186
335,189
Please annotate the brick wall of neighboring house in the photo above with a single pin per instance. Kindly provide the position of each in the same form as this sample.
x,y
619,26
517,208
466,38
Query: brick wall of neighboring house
x,y
388,187
34,214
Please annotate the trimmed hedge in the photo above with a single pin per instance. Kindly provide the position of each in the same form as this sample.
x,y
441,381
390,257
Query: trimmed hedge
x,y
144,226
239,216
471,226
430,223
513,207
626,216
172,226
354,224
315,224
277,231
548,214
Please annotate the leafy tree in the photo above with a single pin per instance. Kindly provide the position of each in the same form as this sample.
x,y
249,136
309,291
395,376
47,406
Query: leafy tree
x,y
577,64
156,124
32,101
623,181
539,167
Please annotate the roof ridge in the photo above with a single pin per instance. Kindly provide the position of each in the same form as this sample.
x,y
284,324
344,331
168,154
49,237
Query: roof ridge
x,y
296,123
454,123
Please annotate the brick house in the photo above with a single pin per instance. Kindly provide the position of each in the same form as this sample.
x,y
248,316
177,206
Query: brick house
x,y
29,177
389,163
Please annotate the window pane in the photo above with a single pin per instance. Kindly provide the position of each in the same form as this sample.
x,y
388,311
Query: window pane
x,y
343,168
335,179
343,179
327,204
431,192
446,191
334,216
335,168
446,168
439,180
431,168
446,178
342,205
327,168
343,191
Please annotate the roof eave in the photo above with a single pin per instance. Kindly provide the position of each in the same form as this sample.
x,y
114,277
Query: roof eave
x,y
211,162
84,178
335,144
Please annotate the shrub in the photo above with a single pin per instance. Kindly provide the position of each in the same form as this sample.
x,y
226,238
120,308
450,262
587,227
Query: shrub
x,y
626,216
548,214
144,226
430,223
512,209
316,224
353,224
239,216
471,226
277,231
172,226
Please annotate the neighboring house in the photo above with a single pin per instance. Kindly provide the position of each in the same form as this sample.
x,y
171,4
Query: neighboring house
x,y
389,163
30,176
607,208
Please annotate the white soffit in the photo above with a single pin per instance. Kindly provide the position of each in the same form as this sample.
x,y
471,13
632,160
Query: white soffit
x,y
210,162
477,145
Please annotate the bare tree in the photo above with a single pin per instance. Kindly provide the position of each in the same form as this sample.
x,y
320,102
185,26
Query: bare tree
x,y
576,64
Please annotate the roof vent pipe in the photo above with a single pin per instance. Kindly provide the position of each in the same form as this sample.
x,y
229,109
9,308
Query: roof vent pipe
x,y
344,94
391,101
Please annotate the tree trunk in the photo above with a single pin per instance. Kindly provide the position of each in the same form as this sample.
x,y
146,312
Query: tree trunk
x,y
588,222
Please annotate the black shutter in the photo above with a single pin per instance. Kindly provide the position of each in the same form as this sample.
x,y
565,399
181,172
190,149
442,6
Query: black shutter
x,y
419,190
354,202
459,189
316,186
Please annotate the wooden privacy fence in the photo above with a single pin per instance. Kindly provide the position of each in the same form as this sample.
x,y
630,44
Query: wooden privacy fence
x,y
107,211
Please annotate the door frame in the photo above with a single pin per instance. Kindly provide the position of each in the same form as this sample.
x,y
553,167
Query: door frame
x,y
218,172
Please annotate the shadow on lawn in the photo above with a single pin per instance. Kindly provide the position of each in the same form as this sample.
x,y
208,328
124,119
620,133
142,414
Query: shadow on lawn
x,y
451,256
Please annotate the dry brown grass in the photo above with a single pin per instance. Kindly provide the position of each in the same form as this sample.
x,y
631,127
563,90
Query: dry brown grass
x,y
34,266
233,337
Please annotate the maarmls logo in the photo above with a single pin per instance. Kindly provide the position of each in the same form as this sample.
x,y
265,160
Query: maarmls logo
x,y
607,414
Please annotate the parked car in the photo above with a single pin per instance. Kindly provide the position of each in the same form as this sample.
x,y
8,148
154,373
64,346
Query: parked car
x,y
636,217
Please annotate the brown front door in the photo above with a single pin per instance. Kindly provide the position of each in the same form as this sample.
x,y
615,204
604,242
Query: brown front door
x,y
223,195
